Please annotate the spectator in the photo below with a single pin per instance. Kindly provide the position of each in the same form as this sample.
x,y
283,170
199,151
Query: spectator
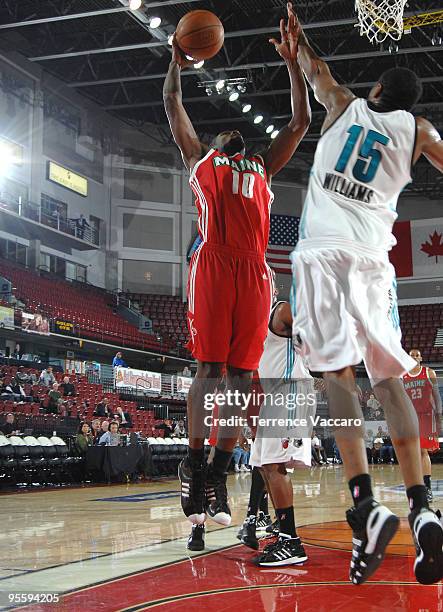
x,y
374,407
68,388
180,430
336,452
8,428
23,377
18,392
118,360
4,391
318,452
111,437
84,438
96,431
104,427
102,408
187,372
241,454
55,400
387,450
81,224
369,443
125,418
39,324
17,352
47,378
166,426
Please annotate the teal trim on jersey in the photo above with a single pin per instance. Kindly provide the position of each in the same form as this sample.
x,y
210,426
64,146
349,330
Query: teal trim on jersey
x,y
289,359
302,223
395,316
293,296
362,171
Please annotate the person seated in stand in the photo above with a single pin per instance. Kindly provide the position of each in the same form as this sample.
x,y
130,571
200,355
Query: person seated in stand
x,y
96,431
240,454
47,378
318,452
83,438
17,352
54,400
124,417
102,408
119,361
67,388
17,391
180,430
9,428
166,426
387,450
111,437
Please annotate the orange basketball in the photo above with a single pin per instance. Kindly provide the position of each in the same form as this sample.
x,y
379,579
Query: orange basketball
x,y
200,34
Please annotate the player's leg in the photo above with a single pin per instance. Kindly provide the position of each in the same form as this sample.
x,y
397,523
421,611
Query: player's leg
x,y
247,532
427,473
192,469
238,384
288,550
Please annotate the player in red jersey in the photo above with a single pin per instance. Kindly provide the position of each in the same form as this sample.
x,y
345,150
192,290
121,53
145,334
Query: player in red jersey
x,y
422,387
229,288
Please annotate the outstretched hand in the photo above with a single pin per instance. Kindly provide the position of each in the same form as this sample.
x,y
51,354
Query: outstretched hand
x,y
178,56
287,48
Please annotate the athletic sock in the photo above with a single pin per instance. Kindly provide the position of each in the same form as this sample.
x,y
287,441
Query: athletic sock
x,y
427,480
360,487
257,488
196,457
287,522
221,462
263,506
417,497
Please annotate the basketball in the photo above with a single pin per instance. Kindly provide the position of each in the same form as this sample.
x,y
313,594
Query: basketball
x,y
200,34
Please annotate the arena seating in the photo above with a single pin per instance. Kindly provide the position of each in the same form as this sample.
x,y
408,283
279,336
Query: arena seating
x,y
419,325
168,315
89,308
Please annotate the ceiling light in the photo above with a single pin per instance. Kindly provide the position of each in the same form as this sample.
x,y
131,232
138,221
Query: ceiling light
x,y
269,129
234,96
258,118
246,108
199,64
134,5
219,85
274,134
154,22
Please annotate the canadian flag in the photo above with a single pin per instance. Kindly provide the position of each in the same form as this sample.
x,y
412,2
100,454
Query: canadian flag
x,y
419,249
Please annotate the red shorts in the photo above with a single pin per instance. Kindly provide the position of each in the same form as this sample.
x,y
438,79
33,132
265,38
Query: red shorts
x,y
429,443
428,430
229,301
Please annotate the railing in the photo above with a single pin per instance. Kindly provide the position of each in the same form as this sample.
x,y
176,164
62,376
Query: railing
x,y
35,212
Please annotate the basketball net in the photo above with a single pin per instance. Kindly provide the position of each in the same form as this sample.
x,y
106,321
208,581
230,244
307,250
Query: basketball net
x,y
378,19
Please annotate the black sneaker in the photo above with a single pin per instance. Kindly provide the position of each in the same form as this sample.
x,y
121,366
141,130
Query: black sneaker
x,y
246,533
428,538
429,495
373,527
196,540
263,521
286,551
273,529
217,498
192,492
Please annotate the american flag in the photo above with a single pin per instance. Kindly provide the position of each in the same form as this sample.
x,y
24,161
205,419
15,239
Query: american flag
x,y
282,239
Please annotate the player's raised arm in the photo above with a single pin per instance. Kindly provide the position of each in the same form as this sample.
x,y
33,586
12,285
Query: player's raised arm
x,y
327,91
284,145
181,127
429,143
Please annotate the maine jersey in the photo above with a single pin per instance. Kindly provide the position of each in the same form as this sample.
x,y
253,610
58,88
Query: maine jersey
x,y
362,163
419,389
233,201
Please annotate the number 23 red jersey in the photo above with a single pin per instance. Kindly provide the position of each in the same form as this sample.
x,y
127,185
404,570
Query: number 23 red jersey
x,y
419,389
233,201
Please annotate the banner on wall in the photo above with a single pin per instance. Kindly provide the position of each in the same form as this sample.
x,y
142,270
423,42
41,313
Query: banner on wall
x,y
139,380
35,322
419,249
6,317
183,384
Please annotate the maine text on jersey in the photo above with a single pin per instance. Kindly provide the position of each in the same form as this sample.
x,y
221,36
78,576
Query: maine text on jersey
x,y
413,384
239,165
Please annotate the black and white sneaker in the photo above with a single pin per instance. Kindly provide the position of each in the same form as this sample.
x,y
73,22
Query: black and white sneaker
x,y
428,538
247,532
263,521
429,495
216,493
192,492
273,529
373,527
196,540
286,551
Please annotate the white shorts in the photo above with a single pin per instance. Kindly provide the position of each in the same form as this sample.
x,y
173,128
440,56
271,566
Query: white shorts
x,y
345,306
293,453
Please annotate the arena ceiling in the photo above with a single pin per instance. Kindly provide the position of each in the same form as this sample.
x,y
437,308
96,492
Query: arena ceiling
x,y
109,53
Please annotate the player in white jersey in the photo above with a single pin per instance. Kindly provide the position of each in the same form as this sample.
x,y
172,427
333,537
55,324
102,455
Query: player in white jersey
x,y
289,395
345,290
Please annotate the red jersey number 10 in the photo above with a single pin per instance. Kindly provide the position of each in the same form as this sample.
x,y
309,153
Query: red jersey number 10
x,y
247,187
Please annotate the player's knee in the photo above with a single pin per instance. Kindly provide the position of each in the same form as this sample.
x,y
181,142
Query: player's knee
x,y
239,373
207,369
